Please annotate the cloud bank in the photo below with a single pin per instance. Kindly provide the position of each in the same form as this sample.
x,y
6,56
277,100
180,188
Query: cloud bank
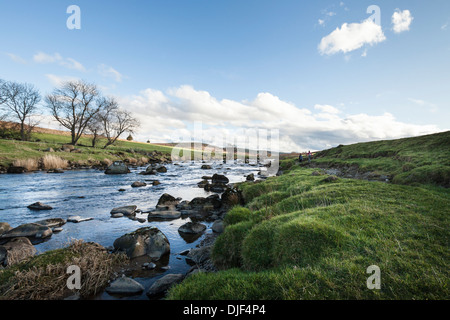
x,y
166,117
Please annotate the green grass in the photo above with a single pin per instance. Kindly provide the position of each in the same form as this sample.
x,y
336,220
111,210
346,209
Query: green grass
x,y
11,150
308,239
418,160
300,236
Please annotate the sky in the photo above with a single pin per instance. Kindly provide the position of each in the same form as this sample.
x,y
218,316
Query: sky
x,y
318,73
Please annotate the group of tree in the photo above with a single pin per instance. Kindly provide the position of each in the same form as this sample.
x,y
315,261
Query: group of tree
x,y
76,105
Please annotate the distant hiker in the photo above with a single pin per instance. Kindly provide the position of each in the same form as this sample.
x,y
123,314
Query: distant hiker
x,y
309,156
300,158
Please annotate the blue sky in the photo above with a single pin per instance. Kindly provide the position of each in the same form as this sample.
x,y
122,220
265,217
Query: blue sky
x,y
245,64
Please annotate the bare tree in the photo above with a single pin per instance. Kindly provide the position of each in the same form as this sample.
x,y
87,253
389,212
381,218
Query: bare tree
x,y
74,105
20,100
95,129
116,121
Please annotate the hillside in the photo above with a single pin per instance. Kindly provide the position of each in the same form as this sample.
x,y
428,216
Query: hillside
x,y
412,161
308,235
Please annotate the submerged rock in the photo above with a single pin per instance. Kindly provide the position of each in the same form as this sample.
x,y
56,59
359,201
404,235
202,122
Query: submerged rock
x,y
148,241
39,206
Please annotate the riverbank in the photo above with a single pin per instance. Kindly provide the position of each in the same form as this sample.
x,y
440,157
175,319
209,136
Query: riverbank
x,y
30,154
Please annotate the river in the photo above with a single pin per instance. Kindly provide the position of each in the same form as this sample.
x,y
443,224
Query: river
x,y
91,193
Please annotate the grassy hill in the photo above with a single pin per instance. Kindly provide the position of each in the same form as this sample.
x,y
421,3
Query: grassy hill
x,y
424,159
304,235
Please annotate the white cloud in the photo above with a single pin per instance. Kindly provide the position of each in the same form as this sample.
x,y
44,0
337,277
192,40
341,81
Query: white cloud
x,y
166,116
401,20
444,26
42,57
327,108
110,72
321,22
351,37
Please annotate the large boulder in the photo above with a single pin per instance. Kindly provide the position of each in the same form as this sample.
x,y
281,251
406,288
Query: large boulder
x,y
39,206
163,284
148,241
125,286
218,226
117,167
29,230
16,250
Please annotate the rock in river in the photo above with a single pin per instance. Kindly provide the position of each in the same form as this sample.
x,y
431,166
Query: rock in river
x,y
126,211
29,230
77,219
166,200
164,212
125,285
118,167
192,228
137,184
51,223
160,286
39,206
148,241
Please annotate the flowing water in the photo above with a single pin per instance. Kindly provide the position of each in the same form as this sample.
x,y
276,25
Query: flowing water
x,y
91,193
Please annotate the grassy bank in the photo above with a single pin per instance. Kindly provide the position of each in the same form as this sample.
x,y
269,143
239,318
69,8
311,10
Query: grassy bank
x,y
303,236
414,161
15,150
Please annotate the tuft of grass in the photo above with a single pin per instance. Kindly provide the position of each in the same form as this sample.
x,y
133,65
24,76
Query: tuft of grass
x,y
44,277
54,162
29,164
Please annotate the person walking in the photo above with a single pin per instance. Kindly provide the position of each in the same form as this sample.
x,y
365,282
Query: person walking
x,y
309,156
300,158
